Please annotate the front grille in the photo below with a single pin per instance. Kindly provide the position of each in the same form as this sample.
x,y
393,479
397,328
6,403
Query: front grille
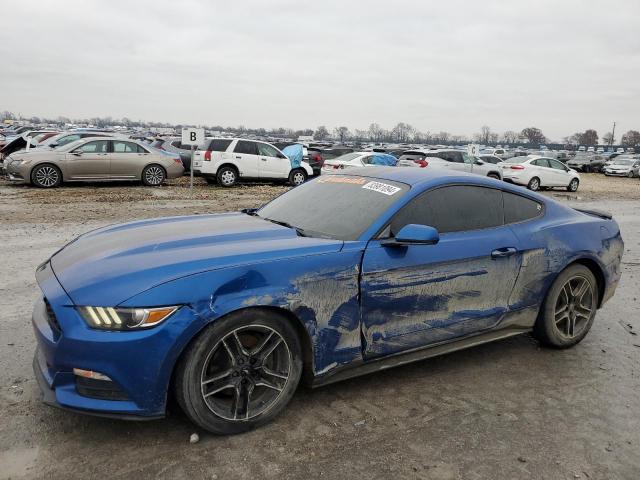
x,y
100,389
51,318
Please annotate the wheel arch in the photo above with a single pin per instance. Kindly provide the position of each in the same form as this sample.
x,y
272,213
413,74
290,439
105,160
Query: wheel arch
x,y
597,271
306,343
228,164
57,167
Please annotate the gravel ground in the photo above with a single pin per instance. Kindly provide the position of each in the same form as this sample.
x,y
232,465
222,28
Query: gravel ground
x,y
504,410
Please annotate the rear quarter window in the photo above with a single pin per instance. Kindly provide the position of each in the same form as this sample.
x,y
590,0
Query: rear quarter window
x,y
520,209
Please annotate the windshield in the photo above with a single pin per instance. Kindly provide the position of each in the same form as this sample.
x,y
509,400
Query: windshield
x,y
335,206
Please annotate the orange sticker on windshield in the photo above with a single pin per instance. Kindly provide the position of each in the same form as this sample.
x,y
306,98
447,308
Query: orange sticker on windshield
x,y
341,179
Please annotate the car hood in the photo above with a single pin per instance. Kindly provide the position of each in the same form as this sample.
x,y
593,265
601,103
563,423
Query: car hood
x,y
105,267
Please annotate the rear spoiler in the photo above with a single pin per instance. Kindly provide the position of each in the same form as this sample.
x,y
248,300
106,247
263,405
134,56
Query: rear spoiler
x,y
595,213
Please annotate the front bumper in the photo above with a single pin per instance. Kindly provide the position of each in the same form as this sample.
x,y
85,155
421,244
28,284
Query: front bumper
x,y
140,363
618,173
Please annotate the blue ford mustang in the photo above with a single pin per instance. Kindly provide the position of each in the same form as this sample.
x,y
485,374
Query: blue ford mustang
x,y
344,275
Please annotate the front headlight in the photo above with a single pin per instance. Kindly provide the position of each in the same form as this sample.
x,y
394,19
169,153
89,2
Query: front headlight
x,y
108,318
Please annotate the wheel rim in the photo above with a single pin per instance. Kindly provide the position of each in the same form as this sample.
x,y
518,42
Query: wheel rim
x,y
245,373
228,177
47,176
154,175
535,184
574,185
630,174
298,178
574,307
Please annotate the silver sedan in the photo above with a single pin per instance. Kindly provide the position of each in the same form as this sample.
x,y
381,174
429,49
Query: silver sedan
x,y
93,159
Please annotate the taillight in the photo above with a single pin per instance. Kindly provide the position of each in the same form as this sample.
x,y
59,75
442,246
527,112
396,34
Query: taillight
x,y
517,167
317,157
207,156
177,160
422,163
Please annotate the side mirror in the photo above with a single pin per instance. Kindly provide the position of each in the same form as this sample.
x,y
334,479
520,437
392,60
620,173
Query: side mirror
x,y
77,153
413,234
53,145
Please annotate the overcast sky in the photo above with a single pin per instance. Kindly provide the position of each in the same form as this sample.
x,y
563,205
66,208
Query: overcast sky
x,y
562,65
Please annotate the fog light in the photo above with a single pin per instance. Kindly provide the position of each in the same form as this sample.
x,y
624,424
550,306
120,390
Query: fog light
x,y
91,374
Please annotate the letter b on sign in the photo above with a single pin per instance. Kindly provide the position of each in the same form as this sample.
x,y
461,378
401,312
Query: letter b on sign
x,y
192,136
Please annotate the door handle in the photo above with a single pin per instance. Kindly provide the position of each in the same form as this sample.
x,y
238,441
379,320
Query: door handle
x,y
503,252
239,158
263,159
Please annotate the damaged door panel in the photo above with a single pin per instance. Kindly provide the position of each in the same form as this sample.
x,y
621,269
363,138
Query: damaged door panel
x,y
422,294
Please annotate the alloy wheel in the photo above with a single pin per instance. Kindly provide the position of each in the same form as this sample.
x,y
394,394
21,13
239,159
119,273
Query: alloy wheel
x,y
574,307
535,184
47,176
573,186
154,175
245,373
298,178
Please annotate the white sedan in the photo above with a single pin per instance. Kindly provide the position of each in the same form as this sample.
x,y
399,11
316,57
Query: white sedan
x,y
358,159
537,172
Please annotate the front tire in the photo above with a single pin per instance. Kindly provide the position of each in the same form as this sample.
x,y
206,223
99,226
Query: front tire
x,y
630,175
534,184
46,176
240,372
569,308
153,175
297,177
493,175
573,185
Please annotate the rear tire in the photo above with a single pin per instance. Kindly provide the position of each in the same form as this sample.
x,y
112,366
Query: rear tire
x,y
240,372
227,176
46,176
153,175
297,177
534,184
568,309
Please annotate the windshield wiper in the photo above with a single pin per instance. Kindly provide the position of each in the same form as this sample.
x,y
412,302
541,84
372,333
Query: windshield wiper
x,y
298,230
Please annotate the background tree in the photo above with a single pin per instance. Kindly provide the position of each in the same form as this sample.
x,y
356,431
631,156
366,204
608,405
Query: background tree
x,y
534,135
590,137
375,132
484,136
631,138
401,132
510,137
341,133
321,133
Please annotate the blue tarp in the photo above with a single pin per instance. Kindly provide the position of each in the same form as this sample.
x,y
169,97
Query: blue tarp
x,y
384,159
294,153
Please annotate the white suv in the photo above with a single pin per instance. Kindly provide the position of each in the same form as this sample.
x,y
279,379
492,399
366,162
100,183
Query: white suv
x,y
227,160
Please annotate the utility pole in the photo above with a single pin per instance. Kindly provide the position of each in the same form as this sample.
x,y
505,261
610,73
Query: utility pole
x,y
613,134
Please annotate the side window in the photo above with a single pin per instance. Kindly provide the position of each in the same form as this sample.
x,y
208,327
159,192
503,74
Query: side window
x,y
266,150
141,149
99,146
219,145
124,147
367,160
556,164
244,146
541,162
453,209
518,208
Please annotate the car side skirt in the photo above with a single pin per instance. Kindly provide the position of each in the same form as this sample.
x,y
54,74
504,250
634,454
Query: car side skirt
x,y
358,368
